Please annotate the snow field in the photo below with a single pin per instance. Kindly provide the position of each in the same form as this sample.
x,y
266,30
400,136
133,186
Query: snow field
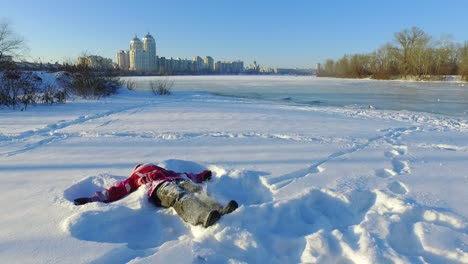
x,y
315,185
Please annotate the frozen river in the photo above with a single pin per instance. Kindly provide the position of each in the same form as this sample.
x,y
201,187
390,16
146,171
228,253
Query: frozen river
x,y
446,98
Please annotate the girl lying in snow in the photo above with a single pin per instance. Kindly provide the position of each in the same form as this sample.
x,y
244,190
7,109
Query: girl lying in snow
x,y
168,189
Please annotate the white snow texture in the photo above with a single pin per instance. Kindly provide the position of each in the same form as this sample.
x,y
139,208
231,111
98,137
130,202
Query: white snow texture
x,y
314,184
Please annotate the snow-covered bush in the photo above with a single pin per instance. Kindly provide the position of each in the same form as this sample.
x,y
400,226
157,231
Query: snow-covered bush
x,y
52,94
23,88
92,83
18,88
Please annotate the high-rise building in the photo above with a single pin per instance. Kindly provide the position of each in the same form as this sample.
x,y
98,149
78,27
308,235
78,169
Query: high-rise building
x,y
136,55
123,60
141,57
197,64
209,63
149,46
229,67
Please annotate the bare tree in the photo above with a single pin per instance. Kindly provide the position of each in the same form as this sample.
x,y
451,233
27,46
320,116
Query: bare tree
x,y
383,63
360,65
411,44
463,68
412,53
328,69
10,43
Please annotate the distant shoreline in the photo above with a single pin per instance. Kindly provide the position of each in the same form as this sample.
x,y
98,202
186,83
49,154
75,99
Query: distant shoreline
x,y
449,79
441,78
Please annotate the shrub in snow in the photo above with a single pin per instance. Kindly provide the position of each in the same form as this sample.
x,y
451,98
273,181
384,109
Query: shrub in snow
x,y
161,87
52,94
128,83
18,88
92,83
22,88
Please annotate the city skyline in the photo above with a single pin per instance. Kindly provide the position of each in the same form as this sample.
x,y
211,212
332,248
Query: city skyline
x,y
143,57
298,34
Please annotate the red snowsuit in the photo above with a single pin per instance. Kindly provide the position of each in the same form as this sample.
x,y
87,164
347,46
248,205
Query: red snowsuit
x,y
143,174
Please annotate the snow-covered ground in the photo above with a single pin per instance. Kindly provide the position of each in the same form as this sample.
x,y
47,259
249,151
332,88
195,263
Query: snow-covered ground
x,y
314,184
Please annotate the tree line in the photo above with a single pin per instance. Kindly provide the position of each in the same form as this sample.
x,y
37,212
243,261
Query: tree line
x,y
412,54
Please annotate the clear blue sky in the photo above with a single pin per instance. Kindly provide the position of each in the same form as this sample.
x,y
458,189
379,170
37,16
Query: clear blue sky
x,y
275,33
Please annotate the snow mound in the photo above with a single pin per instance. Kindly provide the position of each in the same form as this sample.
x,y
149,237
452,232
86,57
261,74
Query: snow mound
x,y
312,226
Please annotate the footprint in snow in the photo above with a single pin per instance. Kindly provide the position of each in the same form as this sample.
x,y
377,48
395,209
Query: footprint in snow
x,y
398,187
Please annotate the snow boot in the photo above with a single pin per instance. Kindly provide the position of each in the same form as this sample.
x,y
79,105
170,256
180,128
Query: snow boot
x,y
211,218
230,207
81,201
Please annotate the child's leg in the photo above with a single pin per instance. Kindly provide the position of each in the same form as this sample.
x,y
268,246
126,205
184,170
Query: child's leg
x,y
203,196
167,194
196,207
180,196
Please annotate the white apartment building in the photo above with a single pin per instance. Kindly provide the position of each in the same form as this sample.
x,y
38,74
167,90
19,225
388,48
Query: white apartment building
x,y
141,57
123,59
